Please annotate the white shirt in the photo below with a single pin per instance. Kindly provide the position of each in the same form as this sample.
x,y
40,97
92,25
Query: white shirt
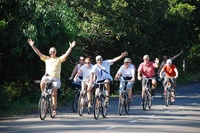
x,y
101,74
79,67
129,72
86,71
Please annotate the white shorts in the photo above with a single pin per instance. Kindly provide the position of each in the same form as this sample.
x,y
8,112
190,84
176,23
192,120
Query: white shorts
x,y
55,81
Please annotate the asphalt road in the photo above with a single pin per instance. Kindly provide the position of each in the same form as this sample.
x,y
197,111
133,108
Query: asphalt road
x,y
181,117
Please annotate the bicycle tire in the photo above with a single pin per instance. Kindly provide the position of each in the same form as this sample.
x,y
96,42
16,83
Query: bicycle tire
x,y
96,107
149,100
50,102
167,98
42,107
144,101
120,105
75,101
127,105
104,107
81,105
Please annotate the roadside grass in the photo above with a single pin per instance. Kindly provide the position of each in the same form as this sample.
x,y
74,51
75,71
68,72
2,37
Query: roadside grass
x,y
25,106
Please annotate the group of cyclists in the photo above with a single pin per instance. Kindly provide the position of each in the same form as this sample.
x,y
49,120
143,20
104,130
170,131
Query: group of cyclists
x,y
100,72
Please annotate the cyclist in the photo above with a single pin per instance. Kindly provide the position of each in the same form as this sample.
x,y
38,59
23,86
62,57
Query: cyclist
x,y
85,69
53,68
102,72
77,68
127,71
147,70
164,61
171,71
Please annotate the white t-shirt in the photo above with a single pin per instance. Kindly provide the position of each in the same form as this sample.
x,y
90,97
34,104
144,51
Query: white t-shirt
x,y
102,75
129,72
79,67
86,72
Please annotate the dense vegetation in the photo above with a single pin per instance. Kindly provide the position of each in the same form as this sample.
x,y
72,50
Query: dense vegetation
x,y
105,27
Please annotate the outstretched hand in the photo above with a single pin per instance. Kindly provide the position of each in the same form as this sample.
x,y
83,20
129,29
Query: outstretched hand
x,y
124,54
30,41
72,44
156,60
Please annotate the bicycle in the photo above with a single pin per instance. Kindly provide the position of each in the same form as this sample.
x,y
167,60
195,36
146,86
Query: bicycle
x,y
123,99
147,94
77,87
83,102
45,102
167,91
99,101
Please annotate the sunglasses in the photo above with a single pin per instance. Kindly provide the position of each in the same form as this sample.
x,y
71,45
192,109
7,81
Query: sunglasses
x,y
87,62
52,51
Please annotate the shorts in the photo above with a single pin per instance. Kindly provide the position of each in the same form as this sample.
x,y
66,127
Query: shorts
x,y
55,81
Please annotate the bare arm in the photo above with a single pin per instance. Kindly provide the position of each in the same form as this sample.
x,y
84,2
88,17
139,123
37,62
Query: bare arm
x,y
74,72
174,57
161,66
119,57
176,71
79,72
71,45
37,51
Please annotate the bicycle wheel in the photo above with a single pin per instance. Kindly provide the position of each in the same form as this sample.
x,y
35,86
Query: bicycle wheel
x,y
96,107
144,101
149,100
120,105
42,107
104,107
127,105
81,105
75,101
167,98
51,107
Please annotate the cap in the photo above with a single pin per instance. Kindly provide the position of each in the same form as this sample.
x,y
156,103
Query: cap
x,y
98,57
127,60
169,61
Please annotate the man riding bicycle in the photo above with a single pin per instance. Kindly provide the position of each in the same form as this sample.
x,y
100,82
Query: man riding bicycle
x,y
171,72
147,70
101,70
85,69
52,69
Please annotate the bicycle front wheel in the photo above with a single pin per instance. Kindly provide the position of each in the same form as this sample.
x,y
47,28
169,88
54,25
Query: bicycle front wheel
x,y
96,107
149,100
167,98
51,107
104,107
120,105
144,101
75,101
42,107
127,105
81,105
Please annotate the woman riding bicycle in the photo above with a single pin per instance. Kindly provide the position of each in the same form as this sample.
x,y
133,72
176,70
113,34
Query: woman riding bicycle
x,y
127,71
85,69
171,72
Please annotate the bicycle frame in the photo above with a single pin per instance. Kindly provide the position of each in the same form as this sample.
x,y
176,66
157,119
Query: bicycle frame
x,y
168,88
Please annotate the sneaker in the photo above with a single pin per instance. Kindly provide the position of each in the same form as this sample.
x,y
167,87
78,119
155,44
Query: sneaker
x,y
89,105
172,99
54,112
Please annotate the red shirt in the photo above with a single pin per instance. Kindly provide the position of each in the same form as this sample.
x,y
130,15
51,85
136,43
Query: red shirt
x,y
147,70
169,70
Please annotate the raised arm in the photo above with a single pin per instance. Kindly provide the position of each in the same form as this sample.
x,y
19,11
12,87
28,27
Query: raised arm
x,y
119,57
175,56
37,51
71,45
